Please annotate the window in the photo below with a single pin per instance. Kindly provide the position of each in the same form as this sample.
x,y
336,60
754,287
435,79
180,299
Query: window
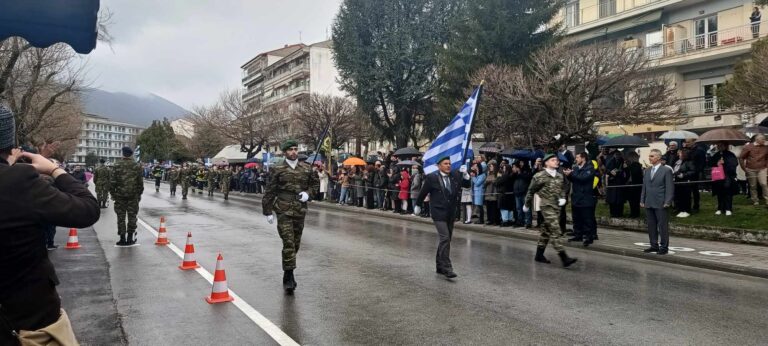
x,y
607,8
706,32
572,14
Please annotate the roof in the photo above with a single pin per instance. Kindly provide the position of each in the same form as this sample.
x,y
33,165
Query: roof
x,y
282,52
231,154
323,44
46,22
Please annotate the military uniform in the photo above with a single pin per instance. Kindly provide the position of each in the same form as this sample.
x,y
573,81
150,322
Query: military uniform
x,y
157,172
174,179
281,197
213,175
550,190
226,179
200,178
126,186
101,180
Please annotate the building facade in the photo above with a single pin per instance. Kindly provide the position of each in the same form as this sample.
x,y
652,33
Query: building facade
x,y
105,138
695,43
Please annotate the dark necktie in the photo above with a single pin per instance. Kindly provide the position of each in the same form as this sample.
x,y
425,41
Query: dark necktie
x,y
447,183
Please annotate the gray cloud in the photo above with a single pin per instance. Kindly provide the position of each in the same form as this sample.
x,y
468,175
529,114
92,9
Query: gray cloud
x,y
190,50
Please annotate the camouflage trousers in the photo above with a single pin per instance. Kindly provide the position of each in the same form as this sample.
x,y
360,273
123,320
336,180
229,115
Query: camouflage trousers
x,y
290,229
211,188
126,208
173,187
102,194
184,187
225,188
550,230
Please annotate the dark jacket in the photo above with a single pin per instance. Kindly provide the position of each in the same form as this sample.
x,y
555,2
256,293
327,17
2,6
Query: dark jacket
x,y
27,289
614,195
505,186
522,181
730,163
442,204
582,180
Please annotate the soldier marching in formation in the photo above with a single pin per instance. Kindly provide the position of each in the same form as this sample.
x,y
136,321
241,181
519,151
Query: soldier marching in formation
x,y
157,172
225,176
174,178
200,179
126,186
213,175
548,185
101,179
290,187
186,175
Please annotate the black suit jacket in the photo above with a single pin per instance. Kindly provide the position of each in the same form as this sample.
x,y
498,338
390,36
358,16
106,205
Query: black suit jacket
x,y
442,204
583,179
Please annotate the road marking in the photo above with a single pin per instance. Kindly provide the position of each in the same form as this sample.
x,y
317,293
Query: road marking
x,y
681,249
716,253
270,328
643,244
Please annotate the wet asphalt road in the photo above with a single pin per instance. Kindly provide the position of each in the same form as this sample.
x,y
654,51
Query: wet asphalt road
x,y
371,280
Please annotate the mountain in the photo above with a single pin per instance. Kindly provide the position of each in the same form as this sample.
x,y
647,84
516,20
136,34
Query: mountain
x,y
129,108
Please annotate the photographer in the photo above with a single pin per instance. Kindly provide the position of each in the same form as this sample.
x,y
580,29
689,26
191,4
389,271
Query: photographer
x,y
28,297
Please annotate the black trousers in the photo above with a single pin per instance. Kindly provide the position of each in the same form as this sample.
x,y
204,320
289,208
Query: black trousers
x,y
724,201
584,222
683,198
617,209
31,306
494,215
696,196
445,233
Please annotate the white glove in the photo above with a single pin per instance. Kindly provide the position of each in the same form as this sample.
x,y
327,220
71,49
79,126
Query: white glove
x,y
561,202
271,219
463,169
526,209
417,210
303,197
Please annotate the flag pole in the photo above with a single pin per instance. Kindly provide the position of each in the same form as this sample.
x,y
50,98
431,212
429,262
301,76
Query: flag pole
x,y
472,124
317,149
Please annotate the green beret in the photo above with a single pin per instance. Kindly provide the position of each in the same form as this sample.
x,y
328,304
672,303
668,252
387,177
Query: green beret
x,y
548,156
288,144
443,159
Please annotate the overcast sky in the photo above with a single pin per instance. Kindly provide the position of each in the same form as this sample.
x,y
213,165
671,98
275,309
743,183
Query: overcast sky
x,y
188,51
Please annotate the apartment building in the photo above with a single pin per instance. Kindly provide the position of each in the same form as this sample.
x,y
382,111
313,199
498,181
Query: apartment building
x,y
104,137
694,42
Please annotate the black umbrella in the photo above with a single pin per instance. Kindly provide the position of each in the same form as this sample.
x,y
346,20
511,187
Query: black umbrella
x,y
303,157
626,142
253,159
409,151
408,163
491,148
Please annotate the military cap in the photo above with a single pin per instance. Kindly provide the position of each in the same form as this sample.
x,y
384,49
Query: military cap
x,y
443,159
288,143
548,157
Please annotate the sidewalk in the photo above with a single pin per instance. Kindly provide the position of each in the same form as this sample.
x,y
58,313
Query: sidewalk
x,y
743,259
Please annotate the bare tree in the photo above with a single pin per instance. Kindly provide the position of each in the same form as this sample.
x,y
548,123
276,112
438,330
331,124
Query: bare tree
x,y
749,87
320,112
566,89
240,122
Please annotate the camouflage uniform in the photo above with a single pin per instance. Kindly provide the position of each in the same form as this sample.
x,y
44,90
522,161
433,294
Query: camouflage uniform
x,y
226,179
200,178
184,178
101,180
550,190
157,172
126,186
212,176
174,179
281,196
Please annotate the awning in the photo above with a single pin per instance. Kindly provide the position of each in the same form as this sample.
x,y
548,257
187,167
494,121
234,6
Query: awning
x,y
45,22
619,26
230,154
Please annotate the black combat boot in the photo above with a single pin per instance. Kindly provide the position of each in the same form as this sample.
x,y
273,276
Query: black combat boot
x,y
567,261
540,255
121,242
131,239
289,284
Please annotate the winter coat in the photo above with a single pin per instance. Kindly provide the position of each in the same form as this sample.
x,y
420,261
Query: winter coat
x,y
522,181
490,189
478,189
404,186
505,186
416,182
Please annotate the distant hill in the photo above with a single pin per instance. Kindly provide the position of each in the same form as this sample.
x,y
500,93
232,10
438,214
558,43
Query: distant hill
x,y
129,108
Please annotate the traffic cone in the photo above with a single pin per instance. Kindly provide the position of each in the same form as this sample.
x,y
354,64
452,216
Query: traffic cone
x,y
219,292
162,236
189,261
72,242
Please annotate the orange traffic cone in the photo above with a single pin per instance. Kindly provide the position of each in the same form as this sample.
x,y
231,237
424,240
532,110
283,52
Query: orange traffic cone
x,y
162,236
219,292
189,261
72,242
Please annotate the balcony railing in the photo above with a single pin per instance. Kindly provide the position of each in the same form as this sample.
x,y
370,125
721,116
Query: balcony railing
x,y
700,106
288,93
699,43
604,9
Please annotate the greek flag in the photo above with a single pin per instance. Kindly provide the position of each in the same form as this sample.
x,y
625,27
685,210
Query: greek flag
x,y
137,153
455,139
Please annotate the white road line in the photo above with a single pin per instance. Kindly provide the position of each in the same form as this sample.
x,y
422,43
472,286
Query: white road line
x,y
270,328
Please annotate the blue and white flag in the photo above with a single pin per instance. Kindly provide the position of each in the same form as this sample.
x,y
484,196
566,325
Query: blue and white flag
x,y
454,140
137,153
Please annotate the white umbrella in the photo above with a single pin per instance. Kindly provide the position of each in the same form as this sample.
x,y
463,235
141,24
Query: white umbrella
x,y
679,135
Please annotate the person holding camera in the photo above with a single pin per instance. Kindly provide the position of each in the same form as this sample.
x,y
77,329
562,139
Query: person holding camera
x,y
28,297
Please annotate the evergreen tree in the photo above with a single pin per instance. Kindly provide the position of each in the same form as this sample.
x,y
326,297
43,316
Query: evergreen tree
x,y
158,142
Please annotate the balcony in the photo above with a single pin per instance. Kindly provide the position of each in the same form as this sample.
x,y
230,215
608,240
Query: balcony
x,y
700,106
248,95
576,17
291,92
726,42
251,77
287,74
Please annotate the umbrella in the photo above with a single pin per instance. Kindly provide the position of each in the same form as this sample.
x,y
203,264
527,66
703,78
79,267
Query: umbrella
x,y
408,163
250,165
372,159
679,135
253,159
729,136
45,22
491,148
753,130
302,157
343,156
409,151
522,154
626,142
354,161
315,158
603,139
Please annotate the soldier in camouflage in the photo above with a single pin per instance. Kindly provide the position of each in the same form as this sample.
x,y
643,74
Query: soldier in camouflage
x,y
213,175
101,180
200,178
126,186
184,178
174,178
225,176
288,190
548,184
157,173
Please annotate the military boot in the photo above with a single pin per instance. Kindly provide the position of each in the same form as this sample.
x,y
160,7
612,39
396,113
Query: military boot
x,y
540,255
567,261
289,284
131,239
121,242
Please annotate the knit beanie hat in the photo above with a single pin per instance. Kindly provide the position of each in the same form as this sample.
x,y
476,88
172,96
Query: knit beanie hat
x,y
127,151
7,128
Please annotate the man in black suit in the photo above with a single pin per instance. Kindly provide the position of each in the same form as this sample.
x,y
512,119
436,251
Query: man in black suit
x,y
583,200
444,190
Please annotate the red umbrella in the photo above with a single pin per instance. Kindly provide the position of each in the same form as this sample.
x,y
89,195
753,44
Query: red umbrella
x,y
251,165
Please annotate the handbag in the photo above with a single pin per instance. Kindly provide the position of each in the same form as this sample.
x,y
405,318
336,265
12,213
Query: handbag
x,y
718,173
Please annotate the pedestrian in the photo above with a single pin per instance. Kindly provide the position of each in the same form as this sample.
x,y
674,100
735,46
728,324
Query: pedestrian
x,y
491,196
699,157
359,184
394,189
755,19
417,180
324,179
101,180
29,300
671,156
225,180
754,161
583,200
126,186
523,175
79,174
344,187
616,177
548,185
404,193
505,187
466,201
174,178
634,174
382,185
157,174
656,196
478,191
290,186
443,188
683,172
724,188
